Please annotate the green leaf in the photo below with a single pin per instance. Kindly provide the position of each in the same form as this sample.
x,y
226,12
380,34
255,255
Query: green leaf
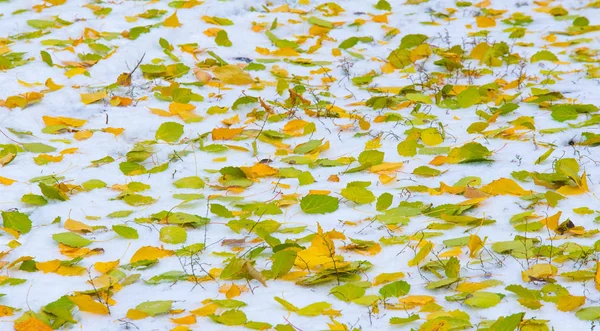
x,y
483,299
564,112
61,308
34,200
47,59
412,40
41,24
568,167
169,132
286,304
194,182
93,184
17,221
581,21
543,56
52,192
426,171
126,231
314,309
384,201
138,200
220,210
154,308
508,323
404,320
319,204
348,292
245,100
442,283
230,317
383,5
307,147
544,156
589,313
371,157
283,261
120,214
173,234
320,22
396,289
348,43
358,194
38,148
400,58
222,39
468,97
71,239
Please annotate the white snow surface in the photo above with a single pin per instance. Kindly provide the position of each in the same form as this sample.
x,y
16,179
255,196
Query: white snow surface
x,y
140,125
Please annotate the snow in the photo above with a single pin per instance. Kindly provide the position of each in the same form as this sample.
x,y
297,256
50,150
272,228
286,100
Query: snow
x,y
140,125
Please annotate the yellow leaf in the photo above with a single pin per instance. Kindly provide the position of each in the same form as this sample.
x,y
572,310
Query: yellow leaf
x,y
52,85
160,112
285,52
74,72
87,304
232,74
412,301
68,121
206,310
172,21
45,158
552,221
475,245
150,253
541,271
421,254
88,98
48,266
190,319
456,251
485,22
76,226
70,271
69,151
135,314
231,291
6,181
386,167
6,159
387,277
113,131
105,267
504,186
570,302
83,135
431,137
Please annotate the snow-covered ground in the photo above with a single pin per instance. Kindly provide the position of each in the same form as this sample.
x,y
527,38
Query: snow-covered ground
x,y
388,165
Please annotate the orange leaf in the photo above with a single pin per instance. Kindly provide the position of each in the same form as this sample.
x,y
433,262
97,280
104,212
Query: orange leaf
x,y
225,133
6,181
32,324
485,22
